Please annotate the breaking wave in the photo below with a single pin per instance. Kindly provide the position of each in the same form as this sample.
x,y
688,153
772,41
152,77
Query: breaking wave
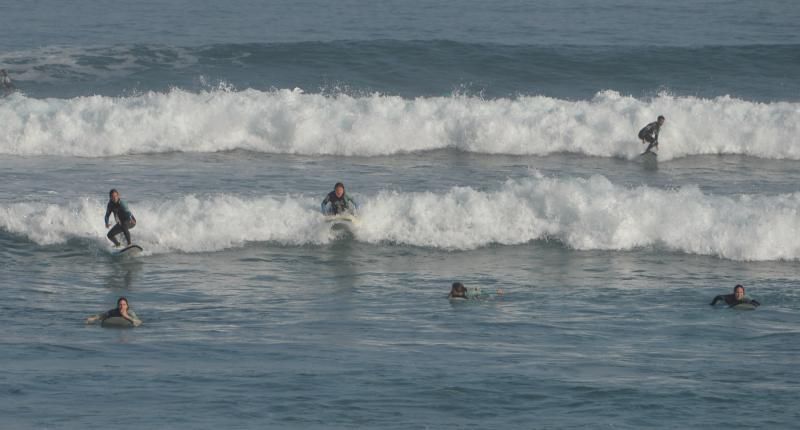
x,y
584,214
293,122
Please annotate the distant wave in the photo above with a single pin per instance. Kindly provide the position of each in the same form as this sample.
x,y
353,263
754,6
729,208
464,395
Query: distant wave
x,y
584,214
293,122
418,68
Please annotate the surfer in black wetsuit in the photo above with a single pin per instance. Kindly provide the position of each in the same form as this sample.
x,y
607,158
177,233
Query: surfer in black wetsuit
x,y
459,291
121,311
737,298
649,134
124,217
338,202
5,82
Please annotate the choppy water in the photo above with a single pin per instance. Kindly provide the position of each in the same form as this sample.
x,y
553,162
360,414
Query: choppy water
x,y
491,143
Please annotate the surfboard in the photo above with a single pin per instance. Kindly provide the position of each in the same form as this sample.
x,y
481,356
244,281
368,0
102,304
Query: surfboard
x,y
129,251
341,221
649,159
744,307
116,322
341,218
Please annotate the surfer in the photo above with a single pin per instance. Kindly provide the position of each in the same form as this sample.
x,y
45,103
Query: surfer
x,y
459,291
124,217
649,134
121,311
737,298
5,82
338,202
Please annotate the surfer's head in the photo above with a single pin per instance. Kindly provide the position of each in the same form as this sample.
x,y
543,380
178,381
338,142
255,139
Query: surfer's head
x,y
338,189
113,195
458,290
122,304
661,120
738,292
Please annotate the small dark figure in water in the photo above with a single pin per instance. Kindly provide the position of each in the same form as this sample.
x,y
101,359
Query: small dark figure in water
x,y
649,134
124,217
121,311
5,82
339,201
459,291
737,298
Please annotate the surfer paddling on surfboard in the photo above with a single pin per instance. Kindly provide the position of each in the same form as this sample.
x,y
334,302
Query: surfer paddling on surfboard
x,y
121,311
737,298
337,202
124,217
649,134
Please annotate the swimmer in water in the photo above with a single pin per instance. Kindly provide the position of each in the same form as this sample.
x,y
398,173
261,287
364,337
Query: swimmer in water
x,y
121,311
737,298
459,291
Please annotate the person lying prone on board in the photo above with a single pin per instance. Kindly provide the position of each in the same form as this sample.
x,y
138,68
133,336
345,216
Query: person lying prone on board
x,y
737,298
337,202
121,311
459,291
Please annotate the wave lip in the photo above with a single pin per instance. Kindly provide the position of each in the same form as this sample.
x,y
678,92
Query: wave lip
x,y
583,214
293,122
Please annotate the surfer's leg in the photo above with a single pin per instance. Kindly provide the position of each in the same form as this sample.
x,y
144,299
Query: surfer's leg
x,y
112,234
126,226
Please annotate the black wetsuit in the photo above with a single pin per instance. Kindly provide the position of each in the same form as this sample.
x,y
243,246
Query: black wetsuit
x,y
730,300
125,221
339,205
650,134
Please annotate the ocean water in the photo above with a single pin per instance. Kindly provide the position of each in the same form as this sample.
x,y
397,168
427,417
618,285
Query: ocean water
x,y
492,143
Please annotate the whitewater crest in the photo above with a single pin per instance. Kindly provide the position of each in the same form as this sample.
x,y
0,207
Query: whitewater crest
x,y
584,214
295,122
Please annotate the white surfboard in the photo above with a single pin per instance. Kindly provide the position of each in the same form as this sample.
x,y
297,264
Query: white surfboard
x,y
342,219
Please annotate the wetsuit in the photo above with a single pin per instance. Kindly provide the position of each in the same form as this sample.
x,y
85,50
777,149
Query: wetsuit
x,y
475,293
339,205
116,313
5,83
730,300
125,221
650,135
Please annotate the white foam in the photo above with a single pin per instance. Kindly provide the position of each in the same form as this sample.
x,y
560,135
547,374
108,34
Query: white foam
x,y
293,122
585,214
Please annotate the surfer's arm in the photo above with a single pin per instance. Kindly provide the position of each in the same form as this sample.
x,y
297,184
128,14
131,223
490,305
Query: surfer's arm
x,y
131,316
97,317
108,214
717,299
324,203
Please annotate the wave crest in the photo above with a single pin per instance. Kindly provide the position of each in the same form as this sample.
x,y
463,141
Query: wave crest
x,y
585,214
293,122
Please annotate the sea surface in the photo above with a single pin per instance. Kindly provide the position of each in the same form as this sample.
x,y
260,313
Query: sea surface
x,y
491,143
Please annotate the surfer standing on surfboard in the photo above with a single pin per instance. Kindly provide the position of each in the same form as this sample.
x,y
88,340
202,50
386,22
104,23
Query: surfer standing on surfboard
x,y
337,202
124,217
649,134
